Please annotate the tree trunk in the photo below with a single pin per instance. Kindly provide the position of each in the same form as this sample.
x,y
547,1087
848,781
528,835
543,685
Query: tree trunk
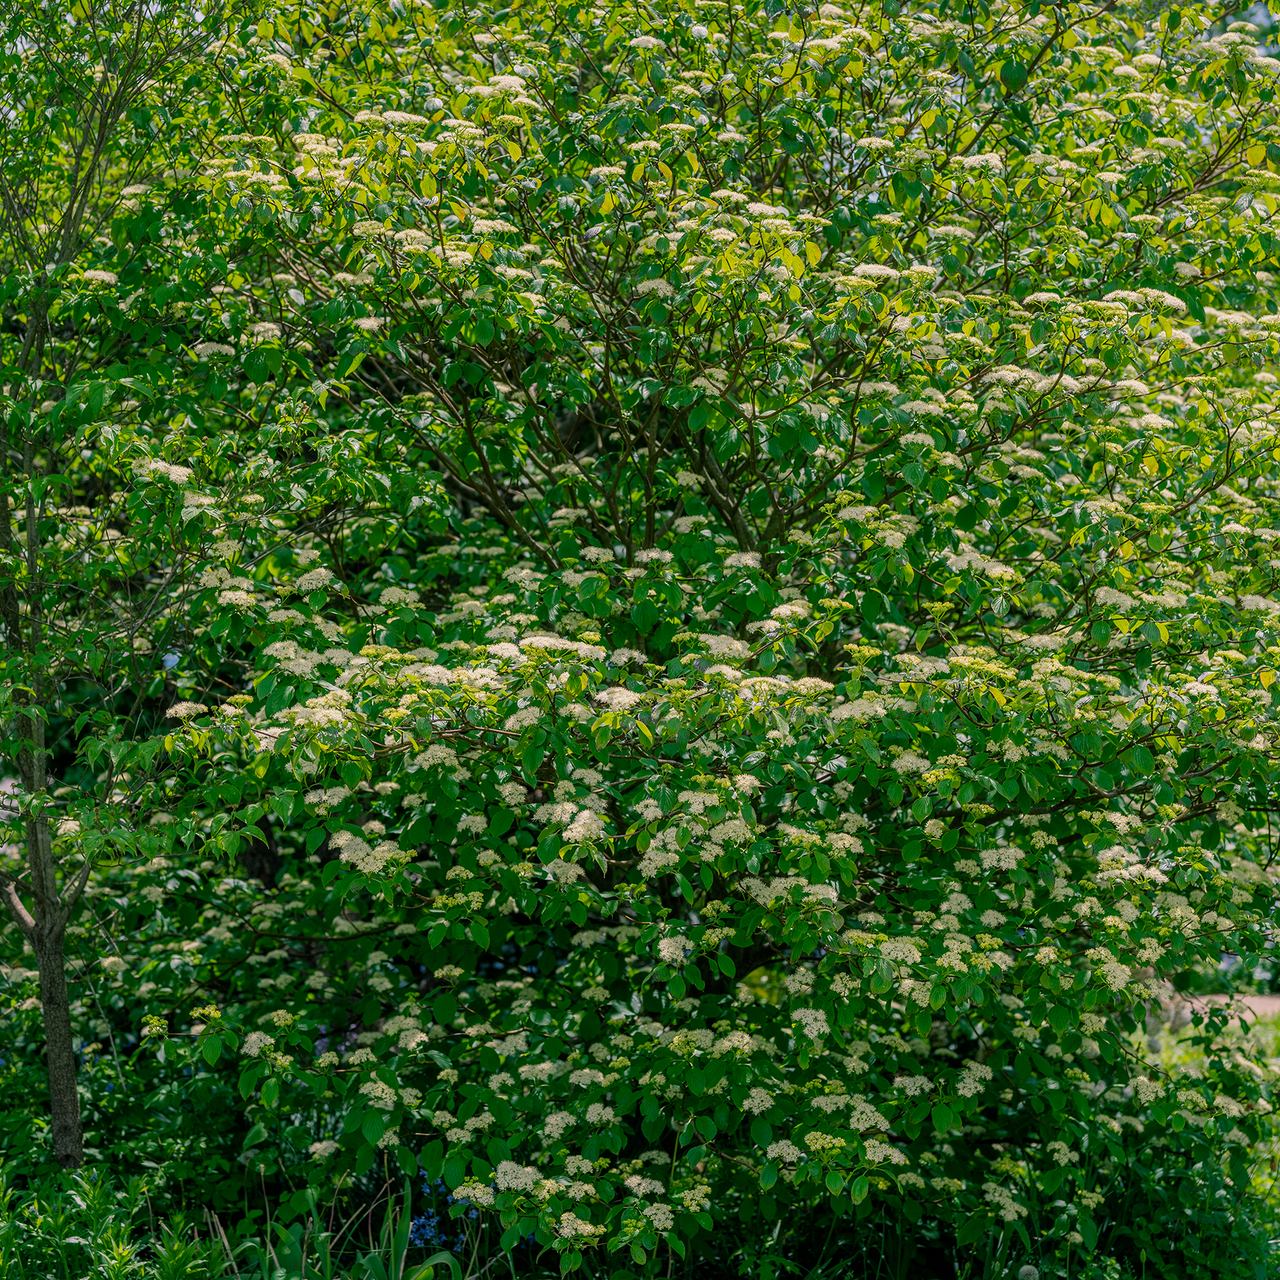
x,y
64,1096
46,929
44,926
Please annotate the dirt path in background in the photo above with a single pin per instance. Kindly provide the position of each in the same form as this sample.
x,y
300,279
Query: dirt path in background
x,y
1250,1006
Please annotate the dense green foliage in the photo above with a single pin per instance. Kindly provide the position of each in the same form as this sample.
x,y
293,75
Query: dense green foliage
x,y
665,618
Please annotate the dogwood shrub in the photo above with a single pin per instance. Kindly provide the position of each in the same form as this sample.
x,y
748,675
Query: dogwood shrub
x,y
774,664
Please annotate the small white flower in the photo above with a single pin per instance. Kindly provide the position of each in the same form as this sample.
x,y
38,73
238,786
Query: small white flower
x,y
185,710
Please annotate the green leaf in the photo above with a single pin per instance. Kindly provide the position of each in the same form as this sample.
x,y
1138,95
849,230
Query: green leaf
x,y
372,1127
432,1159
455,1170
440,1259
943,1117
255,366
349,362
298,1137
1013,75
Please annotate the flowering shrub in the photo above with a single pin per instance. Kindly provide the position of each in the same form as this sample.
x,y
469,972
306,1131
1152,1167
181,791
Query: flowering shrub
x,y
749,610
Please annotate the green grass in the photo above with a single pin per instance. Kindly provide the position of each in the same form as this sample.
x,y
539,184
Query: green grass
x,y
87,1226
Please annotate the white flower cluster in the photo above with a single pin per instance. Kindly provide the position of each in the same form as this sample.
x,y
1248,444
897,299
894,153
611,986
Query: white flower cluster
x,y
813,1022
973,1078
358,853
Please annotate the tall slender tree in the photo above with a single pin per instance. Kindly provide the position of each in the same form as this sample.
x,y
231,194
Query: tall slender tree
x,y
90,112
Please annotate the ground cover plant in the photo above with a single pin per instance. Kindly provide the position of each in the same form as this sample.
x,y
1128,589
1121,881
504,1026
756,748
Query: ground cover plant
x,y
660,619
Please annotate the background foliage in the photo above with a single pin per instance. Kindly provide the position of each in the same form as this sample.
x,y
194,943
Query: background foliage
x,y
661,621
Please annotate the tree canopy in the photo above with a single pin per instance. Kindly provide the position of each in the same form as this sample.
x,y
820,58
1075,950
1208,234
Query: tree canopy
x,y
666,613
